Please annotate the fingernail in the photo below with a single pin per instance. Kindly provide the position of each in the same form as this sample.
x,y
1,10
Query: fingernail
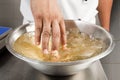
x,y
65,47
37,43
45,51
55,53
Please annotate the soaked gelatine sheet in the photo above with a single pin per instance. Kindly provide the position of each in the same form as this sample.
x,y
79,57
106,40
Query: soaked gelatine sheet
x,y
80,46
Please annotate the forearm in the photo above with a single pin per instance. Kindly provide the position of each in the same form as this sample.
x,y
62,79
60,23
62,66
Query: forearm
x,y
104,9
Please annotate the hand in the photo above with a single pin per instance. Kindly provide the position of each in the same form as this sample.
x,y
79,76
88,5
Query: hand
x,y
48,19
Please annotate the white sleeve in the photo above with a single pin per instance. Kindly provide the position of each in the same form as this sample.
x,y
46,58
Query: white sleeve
x,y
71,9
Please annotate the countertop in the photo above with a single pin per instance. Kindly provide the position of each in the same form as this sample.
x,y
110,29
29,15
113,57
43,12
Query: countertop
x,y
12,68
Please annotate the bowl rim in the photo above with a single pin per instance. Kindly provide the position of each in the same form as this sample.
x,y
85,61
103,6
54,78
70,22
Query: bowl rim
x,y
84,61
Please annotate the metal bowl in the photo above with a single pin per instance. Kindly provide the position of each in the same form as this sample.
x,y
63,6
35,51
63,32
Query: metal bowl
x,y
63,68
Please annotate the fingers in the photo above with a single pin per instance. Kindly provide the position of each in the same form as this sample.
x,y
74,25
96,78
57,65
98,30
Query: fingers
x,y
55,35
43,30
63,33
45,35
38,31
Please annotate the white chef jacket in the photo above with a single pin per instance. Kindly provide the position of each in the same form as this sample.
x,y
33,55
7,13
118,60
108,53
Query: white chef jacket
x,y
71,9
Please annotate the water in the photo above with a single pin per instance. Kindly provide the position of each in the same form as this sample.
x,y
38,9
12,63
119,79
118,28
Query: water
x,y
80,46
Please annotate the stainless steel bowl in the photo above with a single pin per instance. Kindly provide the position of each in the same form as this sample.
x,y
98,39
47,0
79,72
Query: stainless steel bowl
x,y
63,68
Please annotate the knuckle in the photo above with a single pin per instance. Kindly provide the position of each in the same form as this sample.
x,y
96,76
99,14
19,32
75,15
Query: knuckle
x,y
56,35
54,16
37,16
46,15
46,34
47,18
38,28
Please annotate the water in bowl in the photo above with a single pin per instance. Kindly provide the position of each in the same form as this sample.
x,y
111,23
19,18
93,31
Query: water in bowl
x,y
80,46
